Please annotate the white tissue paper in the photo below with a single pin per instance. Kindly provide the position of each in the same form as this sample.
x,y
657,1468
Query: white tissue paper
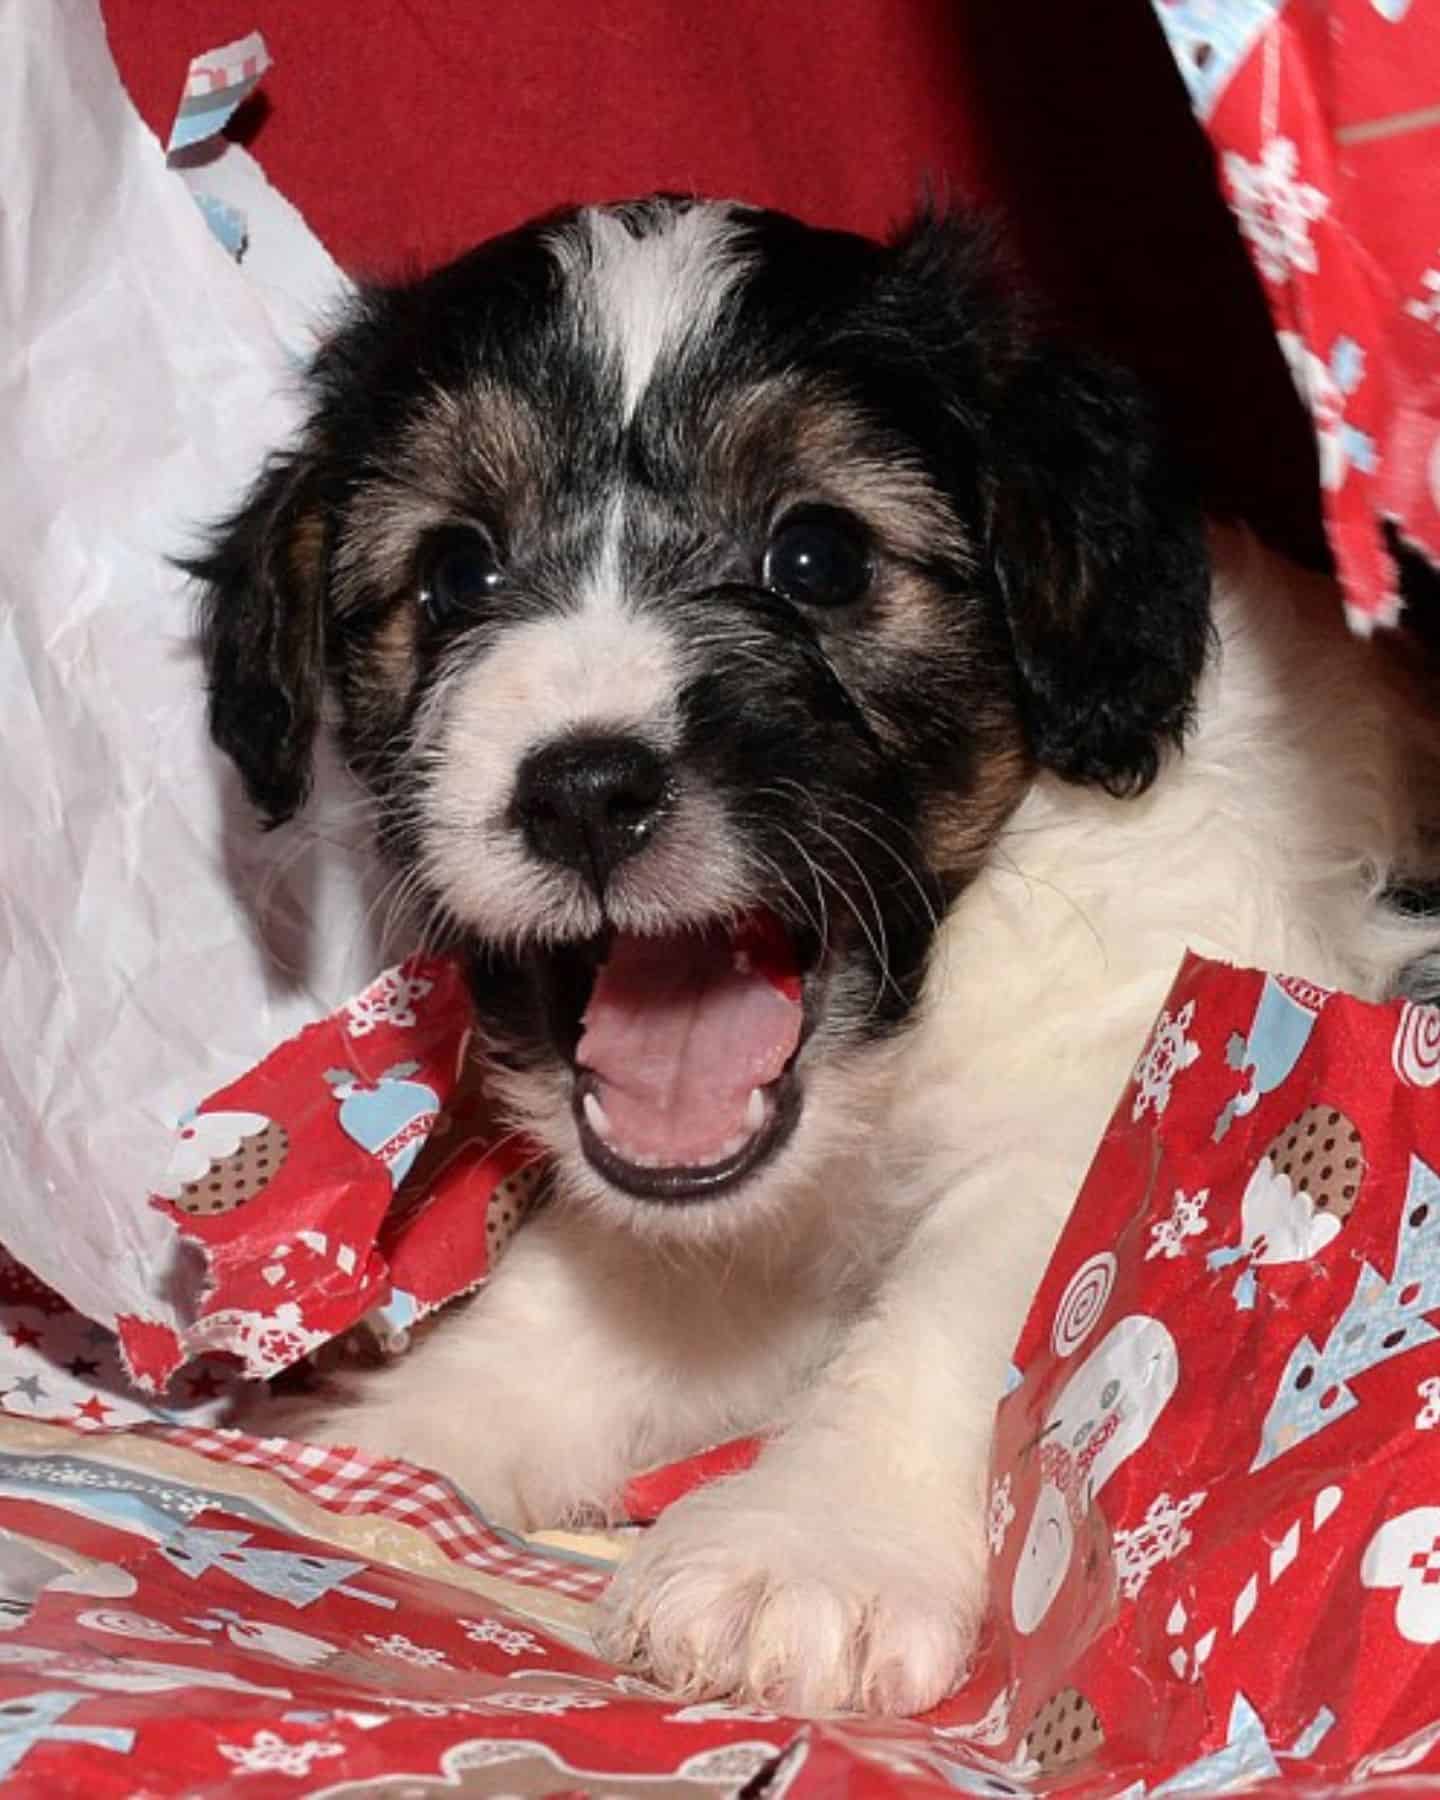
x,y
153,943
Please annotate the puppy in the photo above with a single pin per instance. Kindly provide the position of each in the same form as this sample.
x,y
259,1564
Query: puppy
x,y
769,661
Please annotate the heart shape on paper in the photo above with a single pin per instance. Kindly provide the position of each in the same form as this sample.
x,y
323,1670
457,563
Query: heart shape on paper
x,y
1405,1554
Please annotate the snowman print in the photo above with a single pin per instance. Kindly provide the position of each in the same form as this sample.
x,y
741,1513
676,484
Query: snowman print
x,y
1102,1415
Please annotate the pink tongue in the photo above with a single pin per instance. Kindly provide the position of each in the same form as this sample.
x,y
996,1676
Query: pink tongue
x,y
678,1032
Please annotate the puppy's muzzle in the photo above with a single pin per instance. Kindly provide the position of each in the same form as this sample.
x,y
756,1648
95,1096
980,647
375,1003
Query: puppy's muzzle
x,y
590,803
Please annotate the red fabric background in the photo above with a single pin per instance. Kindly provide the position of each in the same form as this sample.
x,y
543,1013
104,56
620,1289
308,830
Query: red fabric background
x,y
406,132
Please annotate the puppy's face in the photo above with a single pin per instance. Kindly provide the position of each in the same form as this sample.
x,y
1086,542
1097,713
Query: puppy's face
x,y
699,591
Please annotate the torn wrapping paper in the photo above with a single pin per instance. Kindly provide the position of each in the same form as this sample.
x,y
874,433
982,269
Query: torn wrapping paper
x,y
1213,1518
1215,1512
154,945
217,83
1326,123
356,1171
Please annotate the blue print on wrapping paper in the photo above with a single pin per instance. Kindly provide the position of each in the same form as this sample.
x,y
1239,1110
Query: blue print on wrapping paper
x,y
391,1118
1383,1320
36,1719
1209,40
299,1577
1270,1050
1248,1755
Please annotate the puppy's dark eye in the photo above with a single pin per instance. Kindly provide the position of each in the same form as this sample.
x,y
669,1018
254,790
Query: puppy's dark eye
x,y
459,572
818,557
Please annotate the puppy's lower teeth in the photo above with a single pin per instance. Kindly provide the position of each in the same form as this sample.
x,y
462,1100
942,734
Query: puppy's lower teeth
x,y
755,1111
597,1119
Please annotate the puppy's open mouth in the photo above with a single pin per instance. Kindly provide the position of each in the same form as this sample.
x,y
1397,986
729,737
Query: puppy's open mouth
x,y
685,1052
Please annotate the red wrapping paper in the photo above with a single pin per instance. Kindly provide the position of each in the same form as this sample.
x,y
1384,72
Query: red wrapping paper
x,y
293,1183
1325,120
1214,1513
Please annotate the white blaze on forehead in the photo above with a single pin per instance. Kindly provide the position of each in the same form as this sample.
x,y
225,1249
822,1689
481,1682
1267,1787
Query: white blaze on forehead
x,y
649,294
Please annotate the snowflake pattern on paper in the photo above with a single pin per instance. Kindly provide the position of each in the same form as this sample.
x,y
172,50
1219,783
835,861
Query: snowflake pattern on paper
x,y
1187,1220
507,1639
1159,1538
1274,209
269,1754
265,1342
389,1000
1001,1515
1426,306
549,1704
1170,1051
1428,1416
419,1656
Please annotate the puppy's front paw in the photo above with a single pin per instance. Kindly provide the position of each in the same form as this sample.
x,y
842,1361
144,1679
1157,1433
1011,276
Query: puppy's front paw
x,y
788,1599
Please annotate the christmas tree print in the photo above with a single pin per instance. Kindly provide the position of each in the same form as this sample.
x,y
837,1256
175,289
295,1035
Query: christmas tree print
x,y
1384,1319
1248,1756
282,1574
38,1719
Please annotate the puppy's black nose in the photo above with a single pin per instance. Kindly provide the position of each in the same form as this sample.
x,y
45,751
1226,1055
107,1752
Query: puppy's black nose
x,y
587,803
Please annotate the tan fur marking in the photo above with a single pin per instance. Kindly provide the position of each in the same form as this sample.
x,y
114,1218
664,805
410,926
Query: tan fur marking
x,y
306,550
806,440
459,451
960,829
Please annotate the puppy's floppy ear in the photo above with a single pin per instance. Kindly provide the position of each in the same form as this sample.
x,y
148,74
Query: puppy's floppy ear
x,y
1098,550
262,632
1094,536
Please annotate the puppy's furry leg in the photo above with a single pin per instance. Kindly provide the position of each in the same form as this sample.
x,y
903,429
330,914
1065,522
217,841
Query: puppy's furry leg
x,y
589,1356
528,1396
847,1569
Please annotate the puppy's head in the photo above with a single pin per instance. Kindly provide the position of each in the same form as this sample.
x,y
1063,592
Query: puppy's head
x,y
697,593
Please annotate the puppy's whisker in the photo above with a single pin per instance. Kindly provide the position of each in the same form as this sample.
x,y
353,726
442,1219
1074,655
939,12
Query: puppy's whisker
x,y
842,817
880,934
815,873
1005,864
